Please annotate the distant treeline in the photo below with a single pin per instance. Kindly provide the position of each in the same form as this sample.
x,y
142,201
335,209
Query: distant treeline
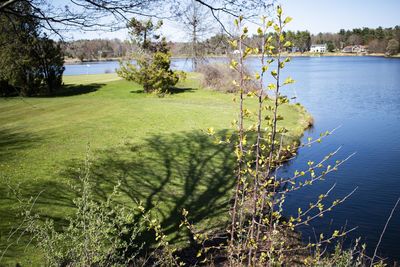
x,y
97,49
377,41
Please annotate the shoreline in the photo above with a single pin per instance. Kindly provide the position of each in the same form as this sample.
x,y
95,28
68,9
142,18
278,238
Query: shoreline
x,y
72,61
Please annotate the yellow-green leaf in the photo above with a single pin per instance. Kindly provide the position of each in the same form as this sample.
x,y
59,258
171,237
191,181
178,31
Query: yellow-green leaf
x,y
287,20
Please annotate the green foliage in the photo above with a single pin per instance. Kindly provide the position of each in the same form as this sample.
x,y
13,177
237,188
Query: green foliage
x,y
375,38
50,64
299,39
331,46
145,33
152,71
101,233
30,64
260,233
155,147
152,68
340,257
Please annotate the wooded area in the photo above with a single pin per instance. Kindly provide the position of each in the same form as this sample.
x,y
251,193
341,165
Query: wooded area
x,y
377,41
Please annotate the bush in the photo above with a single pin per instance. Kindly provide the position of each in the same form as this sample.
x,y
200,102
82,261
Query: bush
x,y
153,62
152,70
219,77
102,231
260,233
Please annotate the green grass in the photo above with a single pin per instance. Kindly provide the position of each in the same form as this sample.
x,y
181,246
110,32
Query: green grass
x,y
154,146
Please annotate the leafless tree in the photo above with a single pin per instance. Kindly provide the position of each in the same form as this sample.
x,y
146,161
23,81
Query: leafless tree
x,y
355,39
197,23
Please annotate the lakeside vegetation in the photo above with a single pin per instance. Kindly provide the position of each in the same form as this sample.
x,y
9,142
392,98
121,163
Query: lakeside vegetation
x,y
290,54
156,146
156,169
377,40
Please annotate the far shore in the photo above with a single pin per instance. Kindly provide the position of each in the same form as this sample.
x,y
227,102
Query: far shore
x,y
296,54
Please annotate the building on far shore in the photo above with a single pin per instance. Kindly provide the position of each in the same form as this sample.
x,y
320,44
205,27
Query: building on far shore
x,y
347,49
355,49
319,48
295,49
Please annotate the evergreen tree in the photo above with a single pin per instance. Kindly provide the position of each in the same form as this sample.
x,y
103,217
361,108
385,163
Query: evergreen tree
x,y
30,64
153,63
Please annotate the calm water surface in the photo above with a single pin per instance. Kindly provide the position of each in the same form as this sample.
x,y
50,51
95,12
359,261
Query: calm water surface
x,y
111,66
362,94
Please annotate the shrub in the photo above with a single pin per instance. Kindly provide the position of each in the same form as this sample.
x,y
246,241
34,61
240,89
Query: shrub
x,y
153,62
260,233
103,230
101,233
152,70
219,77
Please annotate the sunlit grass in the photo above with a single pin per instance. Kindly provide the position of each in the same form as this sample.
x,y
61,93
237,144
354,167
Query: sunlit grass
x,y
154,145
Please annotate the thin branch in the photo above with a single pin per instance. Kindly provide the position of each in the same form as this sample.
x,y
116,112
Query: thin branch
x,y
384,230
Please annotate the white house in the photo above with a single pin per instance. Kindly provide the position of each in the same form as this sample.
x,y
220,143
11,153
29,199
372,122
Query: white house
x,y
319,48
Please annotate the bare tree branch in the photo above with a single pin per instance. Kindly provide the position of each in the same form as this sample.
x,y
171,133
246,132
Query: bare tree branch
x,y
113,15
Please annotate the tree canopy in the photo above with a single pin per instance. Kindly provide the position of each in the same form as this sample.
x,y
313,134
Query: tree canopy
x,y
376,38
30,63
153,62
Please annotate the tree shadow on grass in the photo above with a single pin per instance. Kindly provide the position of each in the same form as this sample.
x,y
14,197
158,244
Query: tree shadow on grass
x,y
172,90
14,140
178,90
66,90
52,200
77,89
166,173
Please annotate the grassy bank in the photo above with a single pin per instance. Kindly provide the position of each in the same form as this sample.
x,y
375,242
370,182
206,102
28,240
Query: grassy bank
x,y
154,146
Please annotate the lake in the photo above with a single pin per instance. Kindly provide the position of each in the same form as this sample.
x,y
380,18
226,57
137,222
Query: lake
x,y
362,95
111,66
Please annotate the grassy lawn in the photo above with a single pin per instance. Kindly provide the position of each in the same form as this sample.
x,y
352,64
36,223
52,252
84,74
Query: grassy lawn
x,y
154,146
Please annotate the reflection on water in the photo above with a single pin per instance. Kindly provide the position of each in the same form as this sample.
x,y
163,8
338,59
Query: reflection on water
x,y
362,94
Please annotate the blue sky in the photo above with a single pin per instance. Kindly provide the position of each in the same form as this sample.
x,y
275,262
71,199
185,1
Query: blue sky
x,y
313,15
333,15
